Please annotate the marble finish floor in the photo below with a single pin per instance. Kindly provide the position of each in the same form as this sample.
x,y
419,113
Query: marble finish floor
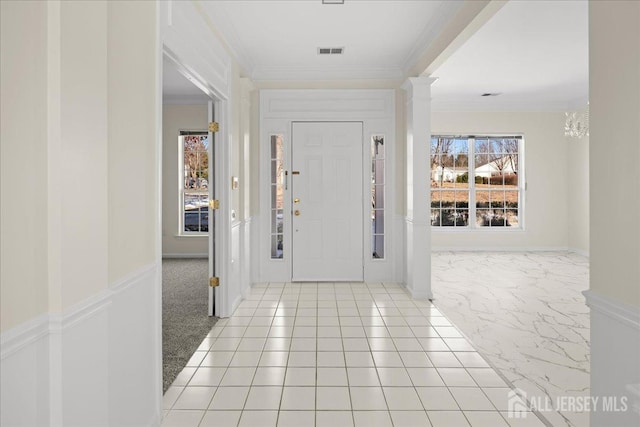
x,y
344,354
525,313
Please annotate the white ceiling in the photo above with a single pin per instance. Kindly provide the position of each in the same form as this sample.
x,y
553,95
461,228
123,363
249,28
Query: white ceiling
x,y
535,53
177,89
276,40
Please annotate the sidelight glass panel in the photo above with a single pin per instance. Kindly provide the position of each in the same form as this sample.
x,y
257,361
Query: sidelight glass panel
x,y
277,196
378,246
377,195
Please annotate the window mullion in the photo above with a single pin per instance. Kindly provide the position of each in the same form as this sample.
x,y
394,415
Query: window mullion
x,y
472,182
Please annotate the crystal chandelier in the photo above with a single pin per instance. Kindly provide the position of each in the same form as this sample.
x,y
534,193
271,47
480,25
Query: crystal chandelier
x,y
576,124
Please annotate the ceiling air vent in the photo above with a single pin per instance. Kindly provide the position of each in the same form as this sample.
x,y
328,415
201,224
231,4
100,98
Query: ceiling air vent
x,y
330,50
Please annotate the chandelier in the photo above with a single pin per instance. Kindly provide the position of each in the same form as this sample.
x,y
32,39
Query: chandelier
x,y
576,124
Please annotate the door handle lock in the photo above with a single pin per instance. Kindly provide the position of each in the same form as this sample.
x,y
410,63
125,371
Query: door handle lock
x,y
296,212
296,200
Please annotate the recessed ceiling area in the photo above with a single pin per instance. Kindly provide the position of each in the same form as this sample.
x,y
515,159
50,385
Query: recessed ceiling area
x,y
278,40
535,54
177,89
532,54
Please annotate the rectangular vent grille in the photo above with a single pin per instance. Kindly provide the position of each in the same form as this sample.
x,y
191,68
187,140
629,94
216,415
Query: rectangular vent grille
x,y
330,50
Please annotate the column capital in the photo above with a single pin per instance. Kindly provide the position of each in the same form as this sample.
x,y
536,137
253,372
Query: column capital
x,y
416,83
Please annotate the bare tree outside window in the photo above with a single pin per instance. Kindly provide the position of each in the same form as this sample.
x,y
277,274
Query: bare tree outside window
x,y
441,155
196,162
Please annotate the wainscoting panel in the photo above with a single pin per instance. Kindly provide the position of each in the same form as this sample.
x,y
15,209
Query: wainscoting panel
x,y
24,374
97,364
615,356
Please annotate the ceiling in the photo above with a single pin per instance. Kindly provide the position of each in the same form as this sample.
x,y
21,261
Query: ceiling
x,y
177,89
533,53
277,40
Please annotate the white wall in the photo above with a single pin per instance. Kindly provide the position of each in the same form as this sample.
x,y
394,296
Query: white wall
x,y
615,149
80,282
614,294
174,119
546,172
23,74
579,195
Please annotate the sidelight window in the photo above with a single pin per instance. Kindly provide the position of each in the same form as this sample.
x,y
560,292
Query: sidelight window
x,y
277,196
377,196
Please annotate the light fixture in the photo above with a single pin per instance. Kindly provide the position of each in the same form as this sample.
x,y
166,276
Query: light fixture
x,y
576,124
332,1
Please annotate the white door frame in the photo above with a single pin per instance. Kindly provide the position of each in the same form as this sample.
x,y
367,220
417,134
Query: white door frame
x,y
376,110
186,38
216,262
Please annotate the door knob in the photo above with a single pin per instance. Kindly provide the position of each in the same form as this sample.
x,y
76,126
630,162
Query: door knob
x,y
296,212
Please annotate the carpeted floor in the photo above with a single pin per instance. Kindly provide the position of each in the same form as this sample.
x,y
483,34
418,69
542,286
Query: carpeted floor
x,y
184,313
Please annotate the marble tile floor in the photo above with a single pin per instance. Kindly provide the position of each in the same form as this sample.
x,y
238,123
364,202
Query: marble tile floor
x,y
343,354
525,313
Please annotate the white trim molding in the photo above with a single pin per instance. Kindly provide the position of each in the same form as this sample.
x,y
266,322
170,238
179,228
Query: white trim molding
x,y
617,310
615,352
198,255
96,363
500,249
418,195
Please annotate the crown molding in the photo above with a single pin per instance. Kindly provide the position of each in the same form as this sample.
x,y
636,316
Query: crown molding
x,y
326,73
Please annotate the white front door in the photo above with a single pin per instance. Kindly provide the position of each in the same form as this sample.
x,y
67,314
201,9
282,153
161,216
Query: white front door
x,y
326,201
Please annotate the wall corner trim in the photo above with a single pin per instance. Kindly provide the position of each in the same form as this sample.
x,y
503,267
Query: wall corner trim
x,y
617,310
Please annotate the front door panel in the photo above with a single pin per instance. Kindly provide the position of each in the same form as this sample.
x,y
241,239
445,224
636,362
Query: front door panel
x,y
327,201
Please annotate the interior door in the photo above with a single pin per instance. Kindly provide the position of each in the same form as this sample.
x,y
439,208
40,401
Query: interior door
x,y
212,212
327,203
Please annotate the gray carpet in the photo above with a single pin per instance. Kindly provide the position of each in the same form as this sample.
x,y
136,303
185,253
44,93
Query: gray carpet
x,y
184,313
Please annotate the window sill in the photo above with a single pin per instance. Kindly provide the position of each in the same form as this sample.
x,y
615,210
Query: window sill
x,y
477,230
191,235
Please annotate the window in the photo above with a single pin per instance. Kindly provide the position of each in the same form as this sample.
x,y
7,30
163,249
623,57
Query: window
x,y
377,196
476,182
194,188
277,196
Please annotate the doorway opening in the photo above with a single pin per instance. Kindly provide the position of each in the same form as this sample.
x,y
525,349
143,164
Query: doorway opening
x,y
188,223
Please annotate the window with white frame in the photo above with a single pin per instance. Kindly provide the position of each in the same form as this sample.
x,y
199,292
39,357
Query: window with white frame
x,y
194,183
476,181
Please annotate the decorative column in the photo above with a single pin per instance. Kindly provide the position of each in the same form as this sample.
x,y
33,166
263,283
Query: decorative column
x,y
418,226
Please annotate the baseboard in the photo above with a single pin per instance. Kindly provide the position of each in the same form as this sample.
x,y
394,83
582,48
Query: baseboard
x,y
420,295
194,255
582,252
499,249
96,363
